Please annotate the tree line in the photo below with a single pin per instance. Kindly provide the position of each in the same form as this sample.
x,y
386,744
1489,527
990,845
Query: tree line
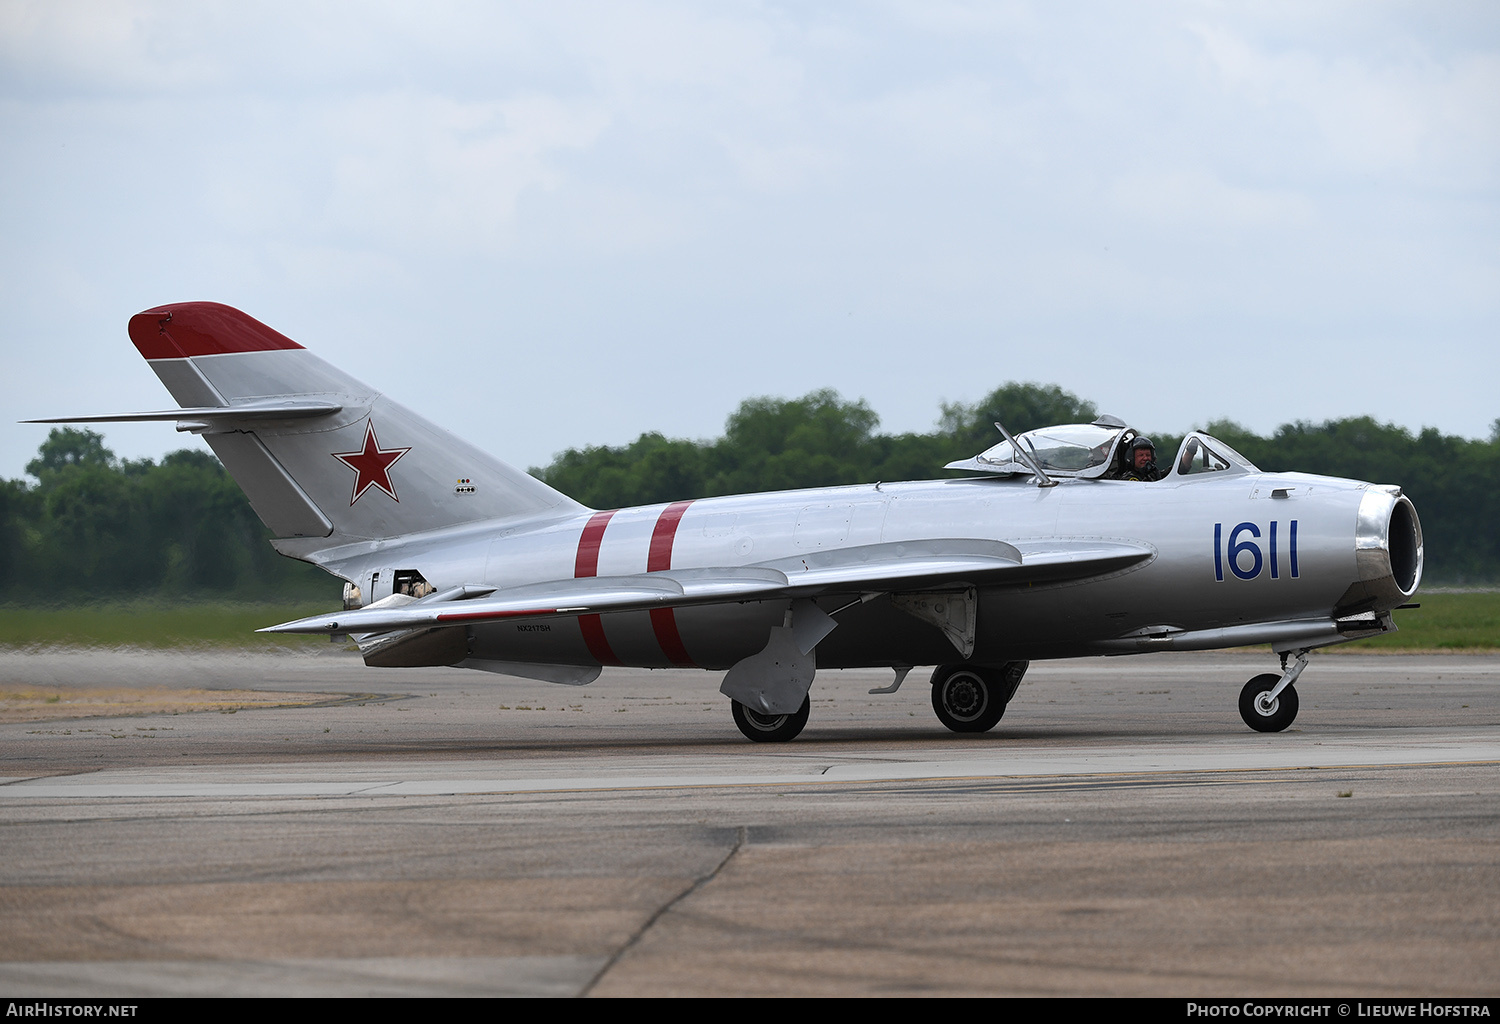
x,y
88,525
92,526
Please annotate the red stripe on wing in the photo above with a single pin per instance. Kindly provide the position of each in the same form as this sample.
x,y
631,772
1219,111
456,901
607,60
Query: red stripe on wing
x,y
474,616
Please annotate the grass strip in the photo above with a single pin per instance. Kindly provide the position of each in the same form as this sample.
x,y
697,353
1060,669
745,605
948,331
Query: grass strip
x,y
156,625
1445,622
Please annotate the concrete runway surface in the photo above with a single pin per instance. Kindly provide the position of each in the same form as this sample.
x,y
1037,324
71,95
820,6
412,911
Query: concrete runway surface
x,y
440,832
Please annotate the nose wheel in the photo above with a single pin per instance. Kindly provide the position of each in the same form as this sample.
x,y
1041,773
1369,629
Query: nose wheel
x,y
764,728
1264,712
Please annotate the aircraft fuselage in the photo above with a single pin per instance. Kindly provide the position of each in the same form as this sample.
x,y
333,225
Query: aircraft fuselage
x,y
1224,554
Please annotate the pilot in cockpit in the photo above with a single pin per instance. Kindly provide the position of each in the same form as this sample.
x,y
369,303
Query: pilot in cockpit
x,y
1140,461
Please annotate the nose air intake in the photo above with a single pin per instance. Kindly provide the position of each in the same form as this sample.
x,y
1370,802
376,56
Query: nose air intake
x,y
1387,551
1405,546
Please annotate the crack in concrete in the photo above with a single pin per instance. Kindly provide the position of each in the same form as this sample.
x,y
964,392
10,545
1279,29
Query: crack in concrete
x,y
739,842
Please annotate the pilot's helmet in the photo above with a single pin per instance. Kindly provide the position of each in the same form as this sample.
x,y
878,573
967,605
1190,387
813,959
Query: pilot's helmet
x,y
1140,442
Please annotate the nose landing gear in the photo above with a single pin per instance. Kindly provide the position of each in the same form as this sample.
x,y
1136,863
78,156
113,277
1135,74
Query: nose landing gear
x,y
1263,712
1268,703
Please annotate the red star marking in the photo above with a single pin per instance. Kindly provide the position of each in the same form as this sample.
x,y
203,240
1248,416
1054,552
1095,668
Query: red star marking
x,y
371,464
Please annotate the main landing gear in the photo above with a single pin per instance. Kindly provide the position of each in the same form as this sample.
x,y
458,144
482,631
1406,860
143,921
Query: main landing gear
x,y
1268,703
972,698
764,728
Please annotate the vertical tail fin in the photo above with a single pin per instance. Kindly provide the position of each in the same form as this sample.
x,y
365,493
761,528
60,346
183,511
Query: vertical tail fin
x,y
369,469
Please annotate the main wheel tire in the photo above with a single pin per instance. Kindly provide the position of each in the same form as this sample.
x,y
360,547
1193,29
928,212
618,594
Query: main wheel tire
x,y
764,728
1267,716
968,699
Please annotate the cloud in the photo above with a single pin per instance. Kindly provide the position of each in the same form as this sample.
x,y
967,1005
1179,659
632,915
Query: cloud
x,y
1400,109
430,171
1197,199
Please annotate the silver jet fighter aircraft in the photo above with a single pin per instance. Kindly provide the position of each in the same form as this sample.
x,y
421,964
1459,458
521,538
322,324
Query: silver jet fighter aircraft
x,y
451,557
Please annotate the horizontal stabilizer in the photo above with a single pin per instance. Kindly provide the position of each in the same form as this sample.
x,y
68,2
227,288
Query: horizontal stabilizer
x,y
871,568
283,410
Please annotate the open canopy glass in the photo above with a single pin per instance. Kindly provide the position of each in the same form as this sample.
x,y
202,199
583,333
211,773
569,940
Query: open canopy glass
x,y
1089,450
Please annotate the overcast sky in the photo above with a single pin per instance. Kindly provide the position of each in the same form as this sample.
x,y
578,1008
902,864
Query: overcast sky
x,y
556,224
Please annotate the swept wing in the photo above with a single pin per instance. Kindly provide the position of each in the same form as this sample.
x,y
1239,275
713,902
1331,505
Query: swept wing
x,y
865,569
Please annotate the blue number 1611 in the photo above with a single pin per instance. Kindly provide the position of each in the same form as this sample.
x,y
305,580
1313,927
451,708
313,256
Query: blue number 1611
x,y
1243,553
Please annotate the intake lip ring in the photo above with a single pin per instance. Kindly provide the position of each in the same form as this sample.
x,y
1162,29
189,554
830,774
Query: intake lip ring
x,y
1388,541
1404,545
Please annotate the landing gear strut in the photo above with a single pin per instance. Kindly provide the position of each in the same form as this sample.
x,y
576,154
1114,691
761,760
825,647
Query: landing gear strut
x,y
1268,703
970,698
764,728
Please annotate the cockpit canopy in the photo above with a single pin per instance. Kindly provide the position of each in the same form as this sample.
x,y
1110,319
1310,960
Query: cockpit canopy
x,y
1201,453
1092,450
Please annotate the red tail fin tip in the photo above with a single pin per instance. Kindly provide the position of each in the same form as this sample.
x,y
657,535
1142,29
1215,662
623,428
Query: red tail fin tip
x,y
187,329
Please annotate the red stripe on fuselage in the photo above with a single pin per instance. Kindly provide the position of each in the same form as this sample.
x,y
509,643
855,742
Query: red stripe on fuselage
x,y
592,627
660,558
587,564
664,620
